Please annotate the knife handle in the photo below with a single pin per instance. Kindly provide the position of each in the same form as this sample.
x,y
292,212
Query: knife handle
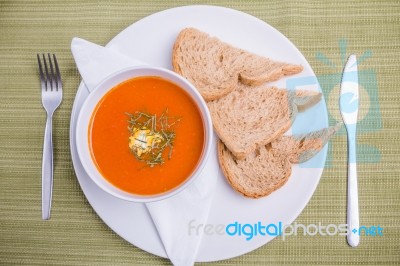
x,y
353,219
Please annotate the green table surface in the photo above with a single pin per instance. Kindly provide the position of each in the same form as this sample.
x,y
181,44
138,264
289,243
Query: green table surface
x,y
76,236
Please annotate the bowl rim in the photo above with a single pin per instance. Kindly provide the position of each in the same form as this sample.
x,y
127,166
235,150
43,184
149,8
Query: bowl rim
x,y
97,94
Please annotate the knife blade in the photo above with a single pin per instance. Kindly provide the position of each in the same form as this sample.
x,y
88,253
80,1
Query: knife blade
x,y
349,104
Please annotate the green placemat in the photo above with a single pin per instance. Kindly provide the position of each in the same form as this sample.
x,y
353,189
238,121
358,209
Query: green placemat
x,y
76,235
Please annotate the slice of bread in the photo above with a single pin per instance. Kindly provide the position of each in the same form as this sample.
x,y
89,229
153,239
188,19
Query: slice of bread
x,y
250,117
215,67
269,167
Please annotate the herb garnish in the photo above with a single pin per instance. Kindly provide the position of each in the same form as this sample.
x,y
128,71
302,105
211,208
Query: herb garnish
x,y
150,136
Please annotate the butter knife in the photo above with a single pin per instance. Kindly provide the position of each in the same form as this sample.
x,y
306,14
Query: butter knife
x,y
349,103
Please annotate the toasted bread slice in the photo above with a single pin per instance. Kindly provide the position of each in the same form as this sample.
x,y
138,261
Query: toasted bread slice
x,y
215,67
269,167
250,117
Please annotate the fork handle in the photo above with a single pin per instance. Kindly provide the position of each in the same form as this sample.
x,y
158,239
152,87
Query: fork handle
x,y
353,219
47,168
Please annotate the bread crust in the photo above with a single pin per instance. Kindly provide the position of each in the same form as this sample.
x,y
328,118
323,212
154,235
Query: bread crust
x,y
244,134
215,67
229,174
270,167
257,160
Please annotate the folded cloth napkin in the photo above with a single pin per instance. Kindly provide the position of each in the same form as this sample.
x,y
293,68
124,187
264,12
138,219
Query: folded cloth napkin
x,y
173,215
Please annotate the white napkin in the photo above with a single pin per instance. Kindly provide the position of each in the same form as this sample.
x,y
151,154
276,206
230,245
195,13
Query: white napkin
x,y
171,216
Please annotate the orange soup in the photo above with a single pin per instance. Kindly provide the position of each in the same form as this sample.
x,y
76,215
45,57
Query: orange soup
x,y
146,136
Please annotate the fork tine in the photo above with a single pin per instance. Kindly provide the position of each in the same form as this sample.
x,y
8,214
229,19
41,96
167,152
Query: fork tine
x,y
58,74
42,79
52,76
48,84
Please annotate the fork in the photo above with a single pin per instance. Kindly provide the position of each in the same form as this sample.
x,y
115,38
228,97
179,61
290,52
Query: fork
x,y
50,80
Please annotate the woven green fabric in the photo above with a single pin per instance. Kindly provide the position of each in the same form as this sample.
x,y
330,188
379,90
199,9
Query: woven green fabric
x,y
76,235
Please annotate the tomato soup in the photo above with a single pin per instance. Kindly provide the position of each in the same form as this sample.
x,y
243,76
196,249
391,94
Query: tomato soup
x,y
146,136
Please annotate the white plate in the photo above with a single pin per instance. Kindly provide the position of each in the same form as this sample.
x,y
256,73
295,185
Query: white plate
x,y
150,40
